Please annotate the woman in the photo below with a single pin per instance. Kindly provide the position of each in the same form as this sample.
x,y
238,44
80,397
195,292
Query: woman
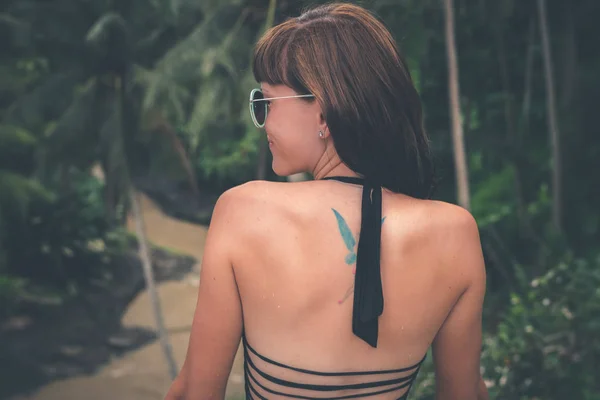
x,y
338,286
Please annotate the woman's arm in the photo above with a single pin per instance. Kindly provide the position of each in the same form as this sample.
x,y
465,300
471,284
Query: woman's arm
x,y
177,389
217,324
483,392
457,346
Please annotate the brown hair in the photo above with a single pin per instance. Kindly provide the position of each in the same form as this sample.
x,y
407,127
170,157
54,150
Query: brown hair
x,y
346,58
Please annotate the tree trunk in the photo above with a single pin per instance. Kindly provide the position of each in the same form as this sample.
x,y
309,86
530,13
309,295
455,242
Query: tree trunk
x,y
512,136
551,118
143,250
184,158
569,57
144,254
460,162
526,109
110,193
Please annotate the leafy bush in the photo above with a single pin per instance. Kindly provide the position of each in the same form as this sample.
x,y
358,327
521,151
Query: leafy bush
x,y
230,156
63,240
424,386
10,288
547,345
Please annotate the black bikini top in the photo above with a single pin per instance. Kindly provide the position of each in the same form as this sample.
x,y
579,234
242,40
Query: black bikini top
x,y
368,292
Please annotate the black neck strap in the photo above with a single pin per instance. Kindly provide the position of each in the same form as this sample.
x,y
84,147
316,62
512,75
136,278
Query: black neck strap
x,y
368,291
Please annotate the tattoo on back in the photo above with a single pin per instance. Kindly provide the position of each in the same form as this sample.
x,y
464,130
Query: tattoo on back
x,y
351,245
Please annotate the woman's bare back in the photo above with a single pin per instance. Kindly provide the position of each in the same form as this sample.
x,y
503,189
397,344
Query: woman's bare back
x,y
294,269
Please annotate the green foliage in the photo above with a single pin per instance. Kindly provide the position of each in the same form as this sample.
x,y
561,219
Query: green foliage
x,y
17,192
227,157
62,240
493,197
11,287
202,83
14,138
424,386
548,342
17,189
55,242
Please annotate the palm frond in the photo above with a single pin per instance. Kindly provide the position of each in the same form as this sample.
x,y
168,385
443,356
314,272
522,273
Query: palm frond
x,y
195,57
211,103
10,21
109,41
12,136
18,191
74,137
15,31
208,6
46,101
180,61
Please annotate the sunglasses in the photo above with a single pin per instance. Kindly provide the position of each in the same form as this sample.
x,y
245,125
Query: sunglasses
x,y
259,105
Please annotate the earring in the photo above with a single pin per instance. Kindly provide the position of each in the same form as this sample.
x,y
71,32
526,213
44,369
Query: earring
x,y
321,134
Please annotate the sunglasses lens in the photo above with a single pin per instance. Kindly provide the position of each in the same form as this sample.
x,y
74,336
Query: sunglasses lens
x,y
259,108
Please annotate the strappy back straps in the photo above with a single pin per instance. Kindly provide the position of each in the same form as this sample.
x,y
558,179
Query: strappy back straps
x,y
267,376
368,291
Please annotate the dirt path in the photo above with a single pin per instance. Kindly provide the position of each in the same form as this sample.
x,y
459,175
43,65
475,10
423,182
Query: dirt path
x,y
142,374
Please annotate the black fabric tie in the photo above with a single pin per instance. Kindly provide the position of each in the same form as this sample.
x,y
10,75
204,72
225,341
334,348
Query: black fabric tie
x,y
368,292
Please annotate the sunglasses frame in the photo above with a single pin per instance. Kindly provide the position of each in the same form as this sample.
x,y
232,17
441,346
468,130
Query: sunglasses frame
x,y
268,99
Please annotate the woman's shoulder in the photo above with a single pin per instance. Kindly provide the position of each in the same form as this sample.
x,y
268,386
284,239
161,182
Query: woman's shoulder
x,y
456,243
254,195
446,218
438,233
255,201
422,224
433,219
437,219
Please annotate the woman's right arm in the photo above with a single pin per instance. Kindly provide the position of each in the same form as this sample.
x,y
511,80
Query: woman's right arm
x,y
177,389
217,323
457,345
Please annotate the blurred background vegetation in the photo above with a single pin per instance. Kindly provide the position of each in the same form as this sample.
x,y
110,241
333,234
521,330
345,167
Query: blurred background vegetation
x,y
154,93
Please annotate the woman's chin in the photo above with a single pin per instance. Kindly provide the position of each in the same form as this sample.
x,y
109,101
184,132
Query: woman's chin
x,y
280,171
283,170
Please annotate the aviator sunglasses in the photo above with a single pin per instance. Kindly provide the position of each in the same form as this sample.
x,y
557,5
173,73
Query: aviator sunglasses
x,y
259,105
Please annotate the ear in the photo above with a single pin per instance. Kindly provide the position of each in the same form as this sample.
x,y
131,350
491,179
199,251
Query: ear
x,y
323,126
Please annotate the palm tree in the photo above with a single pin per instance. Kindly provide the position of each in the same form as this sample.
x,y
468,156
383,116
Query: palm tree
x,y
76,94
202,84
108,83
97,124
122,123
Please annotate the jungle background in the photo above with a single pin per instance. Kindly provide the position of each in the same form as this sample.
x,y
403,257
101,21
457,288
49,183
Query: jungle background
x,y
115,111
